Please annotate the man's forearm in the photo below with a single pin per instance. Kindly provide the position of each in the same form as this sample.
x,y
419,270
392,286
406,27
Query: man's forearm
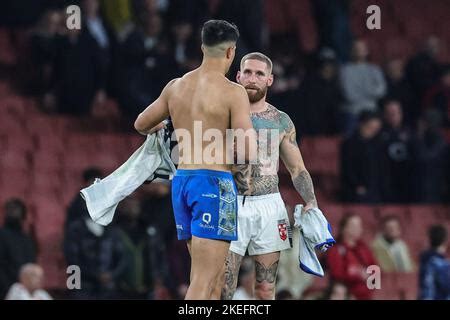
x,y
304,186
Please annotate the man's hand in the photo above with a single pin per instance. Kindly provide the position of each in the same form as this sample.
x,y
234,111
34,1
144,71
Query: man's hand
x,y
308,206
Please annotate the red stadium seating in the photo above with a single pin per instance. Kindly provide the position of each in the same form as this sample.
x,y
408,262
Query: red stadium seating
x,y
14,160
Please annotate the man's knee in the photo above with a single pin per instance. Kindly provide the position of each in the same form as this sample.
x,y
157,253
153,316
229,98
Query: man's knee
x,y
265,290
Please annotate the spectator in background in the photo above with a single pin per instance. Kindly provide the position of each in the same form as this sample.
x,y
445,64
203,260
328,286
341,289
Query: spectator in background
x,y
145,66
77,208
157,209
16,247
320,98
289,71
429,151
333,22
179,266
30,285
422,70
361,165
434,276
395,138
193,12
119,14
284,295
438,97
82,64
246,282
362,83
144,251
337,291
348,260
43,52
182,36
99,253
398,88
249,18
390,250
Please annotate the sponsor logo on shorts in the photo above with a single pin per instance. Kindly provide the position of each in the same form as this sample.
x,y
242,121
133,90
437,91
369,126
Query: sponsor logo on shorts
x,y
206,218
282,229
209,195
179,226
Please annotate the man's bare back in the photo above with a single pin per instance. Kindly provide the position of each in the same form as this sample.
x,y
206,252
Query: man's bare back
x,y
206,99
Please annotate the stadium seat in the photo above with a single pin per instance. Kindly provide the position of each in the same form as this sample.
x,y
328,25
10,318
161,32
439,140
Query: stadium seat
x,y
50,180
47,161
52,144
22,143
408,285
14,160
389,287
134,142
10,125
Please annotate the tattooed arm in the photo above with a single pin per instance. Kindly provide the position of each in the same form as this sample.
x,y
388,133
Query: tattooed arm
x,y
292,159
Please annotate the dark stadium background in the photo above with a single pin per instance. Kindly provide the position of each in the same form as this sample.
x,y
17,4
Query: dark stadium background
x,y
68,100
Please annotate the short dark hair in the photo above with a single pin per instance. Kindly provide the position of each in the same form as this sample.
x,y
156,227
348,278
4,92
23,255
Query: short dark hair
x,y
91,173
437,235
366,116
215,32
16,204
389,218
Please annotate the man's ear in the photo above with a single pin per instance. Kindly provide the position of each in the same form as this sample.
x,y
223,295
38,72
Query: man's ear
x,y
230,52
270,81
238,77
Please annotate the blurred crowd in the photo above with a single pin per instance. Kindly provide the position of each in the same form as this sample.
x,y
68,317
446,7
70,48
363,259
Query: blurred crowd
x,y
138,256
391,116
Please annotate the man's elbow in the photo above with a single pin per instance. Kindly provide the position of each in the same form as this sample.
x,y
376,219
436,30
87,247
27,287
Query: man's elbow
x,y
295,171
139,125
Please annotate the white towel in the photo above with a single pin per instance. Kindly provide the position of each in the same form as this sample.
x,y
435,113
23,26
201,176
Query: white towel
x,y
315,234
152,159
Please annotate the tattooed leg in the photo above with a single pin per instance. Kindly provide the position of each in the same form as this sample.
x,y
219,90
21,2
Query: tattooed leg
x,y
266,267
232,266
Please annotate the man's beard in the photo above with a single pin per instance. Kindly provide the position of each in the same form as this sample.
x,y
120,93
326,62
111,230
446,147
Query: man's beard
x,y
256,96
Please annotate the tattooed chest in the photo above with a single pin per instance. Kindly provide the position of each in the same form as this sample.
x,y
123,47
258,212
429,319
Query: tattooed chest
x,y
262,178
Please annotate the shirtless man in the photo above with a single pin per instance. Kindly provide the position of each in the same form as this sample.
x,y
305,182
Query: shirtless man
x,y
263,222
204,193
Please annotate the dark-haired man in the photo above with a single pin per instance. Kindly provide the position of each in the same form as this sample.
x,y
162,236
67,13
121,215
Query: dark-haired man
x,y
434,276
16,246
203,191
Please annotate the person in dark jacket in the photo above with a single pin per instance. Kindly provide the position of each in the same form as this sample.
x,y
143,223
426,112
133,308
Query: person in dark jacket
x,y
429,152
321,96
434,275
16,247
395,138
146,272
82,63
99,254
77,208
361,168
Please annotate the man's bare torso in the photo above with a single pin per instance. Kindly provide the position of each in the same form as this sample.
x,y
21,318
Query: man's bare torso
x,y
262,178
200,98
